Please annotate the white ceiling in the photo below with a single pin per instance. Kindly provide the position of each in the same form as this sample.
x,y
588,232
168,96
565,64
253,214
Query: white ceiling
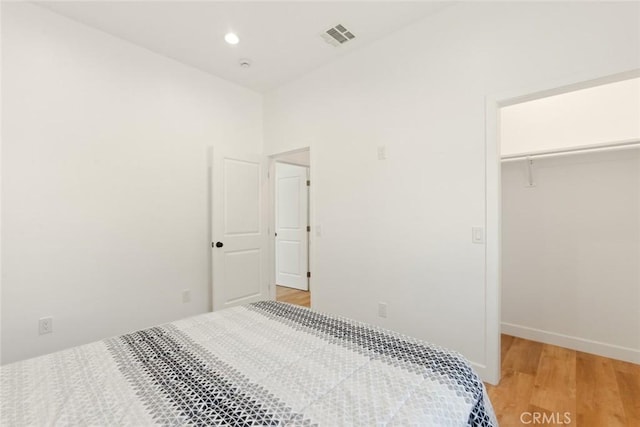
x,y
282,39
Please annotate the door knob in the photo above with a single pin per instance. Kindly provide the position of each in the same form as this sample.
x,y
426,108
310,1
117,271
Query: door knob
x,y
219,244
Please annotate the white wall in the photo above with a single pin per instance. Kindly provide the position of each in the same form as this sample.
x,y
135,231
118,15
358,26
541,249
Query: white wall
x,y
601,114
104,211
571,252
399,230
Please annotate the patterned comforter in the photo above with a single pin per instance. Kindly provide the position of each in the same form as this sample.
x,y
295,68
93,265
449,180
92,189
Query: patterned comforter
x,y
262,364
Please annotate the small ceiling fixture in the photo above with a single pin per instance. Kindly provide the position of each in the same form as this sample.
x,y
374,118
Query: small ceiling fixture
x,y
231,38
245,63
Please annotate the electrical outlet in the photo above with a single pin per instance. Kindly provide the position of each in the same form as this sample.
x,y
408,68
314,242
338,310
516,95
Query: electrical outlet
x,y
45,325
382,309
382,152
186,296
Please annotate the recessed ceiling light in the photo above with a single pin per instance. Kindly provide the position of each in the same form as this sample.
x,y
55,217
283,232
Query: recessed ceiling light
x,y
231,38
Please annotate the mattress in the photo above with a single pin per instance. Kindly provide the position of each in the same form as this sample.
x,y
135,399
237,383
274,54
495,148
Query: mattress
x,y
262,364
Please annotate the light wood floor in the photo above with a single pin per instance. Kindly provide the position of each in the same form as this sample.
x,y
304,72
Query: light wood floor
x,y
293,296
595,391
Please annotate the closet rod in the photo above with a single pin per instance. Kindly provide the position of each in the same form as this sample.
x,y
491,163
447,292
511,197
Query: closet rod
x,y
621,145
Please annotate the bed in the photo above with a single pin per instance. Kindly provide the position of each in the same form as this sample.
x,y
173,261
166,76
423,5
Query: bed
x,y
262,364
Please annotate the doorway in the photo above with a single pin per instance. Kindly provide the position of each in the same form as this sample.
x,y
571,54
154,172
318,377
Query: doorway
x,y
493,197
570,164
291,227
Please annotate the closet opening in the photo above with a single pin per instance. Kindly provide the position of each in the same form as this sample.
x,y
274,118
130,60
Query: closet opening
x,y
290,227
569,221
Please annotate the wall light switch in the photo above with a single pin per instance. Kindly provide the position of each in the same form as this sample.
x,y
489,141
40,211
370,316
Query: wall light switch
x,y
477,235
318,231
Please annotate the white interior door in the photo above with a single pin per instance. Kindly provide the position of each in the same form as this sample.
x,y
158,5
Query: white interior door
x,y
292,246
239,229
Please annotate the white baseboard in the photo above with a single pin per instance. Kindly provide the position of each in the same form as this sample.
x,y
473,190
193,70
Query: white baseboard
x,y
588,346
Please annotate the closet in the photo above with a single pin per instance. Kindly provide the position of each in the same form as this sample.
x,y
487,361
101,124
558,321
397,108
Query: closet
x,y
571,220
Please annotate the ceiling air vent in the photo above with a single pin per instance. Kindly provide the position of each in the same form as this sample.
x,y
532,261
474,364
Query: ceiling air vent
x,y
337,35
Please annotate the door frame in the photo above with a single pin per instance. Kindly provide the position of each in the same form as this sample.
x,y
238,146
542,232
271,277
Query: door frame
x,y
493,197
271,247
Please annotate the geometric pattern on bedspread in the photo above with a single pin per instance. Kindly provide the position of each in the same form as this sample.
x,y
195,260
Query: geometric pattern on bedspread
x,y
181,383
448,368
267,363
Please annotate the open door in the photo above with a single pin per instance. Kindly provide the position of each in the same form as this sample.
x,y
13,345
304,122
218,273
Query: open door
x,y
292,247
239,237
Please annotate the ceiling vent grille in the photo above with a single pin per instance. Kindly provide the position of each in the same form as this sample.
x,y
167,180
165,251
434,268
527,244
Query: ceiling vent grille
x,y
337,35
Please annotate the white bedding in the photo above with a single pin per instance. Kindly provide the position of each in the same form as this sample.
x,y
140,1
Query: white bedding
x,y
266,363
